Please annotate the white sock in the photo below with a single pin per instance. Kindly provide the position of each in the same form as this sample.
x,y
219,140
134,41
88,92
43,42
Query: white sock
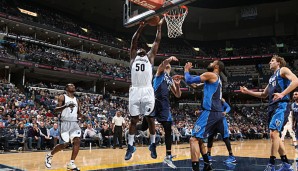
x,y
152,138
131,139
72,161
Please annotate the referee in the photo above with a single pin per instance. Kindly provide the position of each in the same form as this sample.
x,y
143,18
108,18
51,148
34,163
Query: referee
x,y
117,124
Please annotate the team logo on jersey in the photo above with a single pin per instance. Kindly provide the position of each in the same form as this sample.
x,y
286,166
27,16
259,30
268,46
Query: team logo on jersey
x,y
78,132
277,122
272,81
295,109
169,81
197,128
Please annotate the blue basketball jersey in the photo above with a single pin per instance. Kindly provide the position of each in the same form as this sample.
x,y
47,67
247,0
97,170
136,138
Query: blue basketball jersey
x,y
212,96
278,84
162,86
294,109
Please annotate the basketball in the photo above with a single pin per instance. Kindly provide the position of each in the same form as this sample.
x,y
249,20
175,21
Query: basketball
x,y
153,21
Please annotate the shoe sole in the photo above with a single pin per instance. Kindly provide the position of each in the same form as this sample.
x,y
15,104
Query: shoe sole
x,y
171,166
212,160
234,161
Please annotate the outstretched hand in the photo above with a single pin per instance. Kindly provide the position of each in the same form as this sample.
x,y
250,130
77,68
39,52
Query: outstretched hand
x,y
277,96
174,58
243,89
187,66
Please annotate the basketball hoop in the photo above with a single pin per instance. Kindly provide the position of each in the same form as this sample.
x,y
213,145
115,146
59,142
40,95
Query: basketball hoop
x,y
175,19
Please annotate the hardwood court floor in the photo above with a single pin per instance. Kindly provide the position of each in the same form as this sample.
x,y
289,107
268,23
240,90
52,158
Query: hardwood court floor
x,y
114,158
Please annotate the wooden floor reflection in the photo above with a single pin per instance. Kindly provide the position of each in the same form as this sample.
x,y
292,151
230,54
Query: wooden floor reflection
x,y
111,158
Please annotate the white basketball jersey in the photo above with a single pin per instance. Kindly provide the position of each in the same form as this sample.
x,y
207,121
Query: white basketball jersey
x,y
290,119
70,114
141,72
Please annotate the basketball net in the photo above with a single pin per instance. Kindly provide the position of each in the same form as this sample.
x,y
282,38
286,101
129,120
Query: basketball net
x,y
175,19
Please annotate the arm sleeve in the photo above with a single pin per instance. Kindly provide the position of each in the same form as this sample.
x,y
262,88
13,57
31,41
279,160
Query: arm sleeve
x,y
189,79
227,107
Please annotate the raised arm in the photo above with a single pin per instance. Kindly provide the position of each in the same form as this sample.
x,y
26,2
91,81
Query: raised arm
x,y
134,42
207,76
152,53
175,88
263,94
286,73
164,63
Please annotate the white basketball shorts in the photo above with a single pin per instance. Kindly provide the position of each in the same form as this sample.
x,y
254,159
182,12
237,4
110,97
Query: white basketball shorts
x,y
141,100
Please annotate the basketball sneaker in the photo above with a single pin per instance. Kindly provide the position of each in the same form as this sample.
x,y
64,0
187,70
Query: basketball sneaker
x,y
72,167
209,158
230,166
129,151
270,167
230,159
168,160
207,167
152,148
48,160
286,167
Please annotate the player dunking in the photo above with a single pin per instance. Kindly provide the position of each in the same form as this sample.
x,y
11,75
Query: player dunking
x,y
281,83
211,116
70,131
141,93
162,84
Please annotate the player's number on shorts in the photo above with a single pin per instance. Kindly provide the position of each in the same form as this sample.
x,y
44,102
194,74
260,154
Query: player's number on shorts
x,y
140,67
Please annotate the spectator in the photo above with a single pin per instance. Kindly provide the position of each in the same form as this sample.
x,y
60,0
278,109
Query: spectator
x,y
93,134
44,135
34,136
117,127
54,133
107,136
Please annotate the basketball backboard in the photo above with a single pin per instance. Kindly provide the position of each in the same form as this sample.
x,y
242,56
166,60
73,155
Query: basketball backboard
x,y
131,18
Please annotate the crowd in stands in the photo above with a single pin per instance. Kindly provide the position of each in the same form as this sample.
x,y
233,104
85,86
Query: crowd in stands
x,y
248,46
27,120
224,48
57,19
61,58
